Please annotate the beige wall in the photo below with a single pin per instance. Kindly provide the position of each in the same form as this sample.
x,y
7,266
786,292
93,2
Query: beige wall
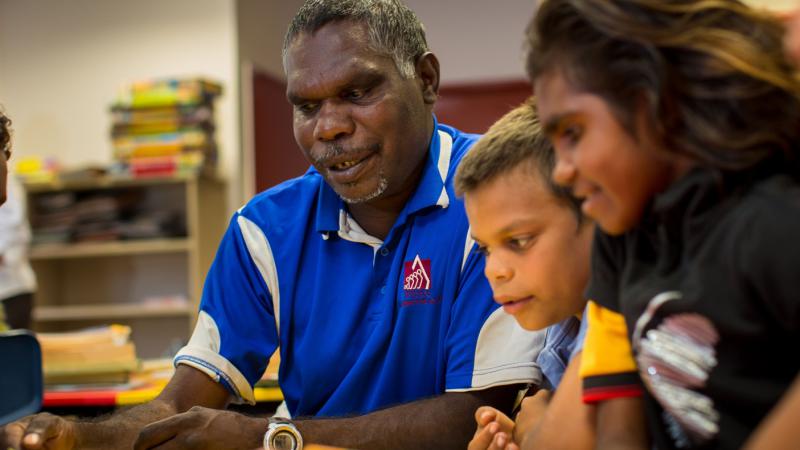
x,y
780,5
476,39
61,64
473,39
261,26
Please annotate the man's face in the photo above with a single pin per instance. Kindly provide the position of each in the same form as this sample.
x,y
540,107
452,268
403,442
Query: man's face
x,y
362,126
537,257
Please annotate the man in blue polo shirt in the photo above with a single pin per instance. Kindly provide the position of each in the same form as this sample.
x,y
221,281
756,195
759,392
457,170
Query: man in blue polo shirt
x,y
361,271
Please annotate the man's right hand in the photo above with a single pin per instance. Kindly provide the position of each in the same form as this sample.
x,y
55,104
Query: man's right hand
x,y
39,432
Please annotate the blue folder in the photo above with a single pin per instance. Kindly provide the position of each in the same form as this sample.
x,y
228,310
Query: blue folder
x,y
20,375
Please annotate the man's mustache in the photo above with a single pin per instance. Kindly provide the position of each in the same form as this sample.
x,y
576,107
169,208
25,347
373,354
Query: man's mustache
x,y
336,150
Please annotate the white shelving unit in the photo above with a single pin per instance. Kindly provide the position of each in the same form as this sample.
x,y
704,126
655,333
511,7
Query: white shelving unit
x,y
153,285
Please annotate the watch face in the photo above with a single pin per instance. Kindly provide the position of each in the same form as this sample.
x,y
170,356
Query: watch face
x,y
283,440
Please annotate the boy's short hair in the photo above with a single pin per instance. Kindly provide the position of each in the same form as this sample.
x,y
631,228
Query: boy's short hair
x,y
515,139
5,132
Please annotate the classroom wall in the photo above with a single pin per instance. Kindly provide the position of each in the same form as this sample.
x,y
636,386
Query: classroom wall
x,y
62,62
261,25
779,5
476,40
473,41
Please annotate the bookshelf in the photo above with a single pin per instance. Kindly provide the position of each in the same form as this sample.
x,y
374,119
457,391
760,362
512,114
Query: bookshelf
x,y
96,266
44,252
108,312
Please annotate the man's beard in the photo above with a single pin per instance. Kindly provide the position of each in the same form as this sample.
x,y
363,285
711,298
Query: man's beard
x,y
335,149
383,183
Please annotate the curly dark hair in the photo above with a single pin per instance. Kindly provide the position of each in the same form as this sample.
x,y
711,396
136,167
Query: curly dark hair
x,y
5,133
717,84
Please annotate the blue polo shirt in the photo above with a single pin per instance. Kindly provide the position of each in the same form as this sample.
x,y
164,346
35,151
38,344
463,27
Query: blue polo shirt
x,y
361,323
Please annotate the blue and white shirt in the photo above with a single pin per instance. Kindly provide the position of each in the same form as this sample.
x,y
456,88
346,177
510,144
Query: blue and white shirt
x,y
361,323
562,342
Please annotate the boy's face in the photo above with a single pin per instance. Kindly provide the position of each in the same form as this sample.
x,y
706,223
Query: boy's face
x,y
613,170
537,259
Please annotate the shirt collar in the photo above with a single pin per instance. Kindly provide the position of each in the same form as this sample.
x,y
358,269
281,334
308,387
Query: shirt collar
x,y
328,206
431,190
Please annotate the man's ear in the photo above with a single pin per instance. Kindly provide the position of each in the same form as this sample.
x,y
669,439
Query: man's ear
x,y
428,74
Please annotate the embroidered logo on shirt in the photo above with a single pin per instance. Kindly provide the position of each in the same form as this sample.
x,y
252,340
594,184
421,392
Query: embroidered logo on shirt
x,y
417,282
417,274
675,360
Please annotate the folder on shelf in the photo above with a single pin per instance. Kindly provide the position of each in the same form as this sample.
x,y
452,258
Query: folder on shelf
x,y
95,355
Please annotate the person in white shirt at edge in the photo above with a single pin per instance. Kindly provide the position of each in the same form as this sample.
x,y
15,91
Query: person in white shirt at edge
x,y
17,280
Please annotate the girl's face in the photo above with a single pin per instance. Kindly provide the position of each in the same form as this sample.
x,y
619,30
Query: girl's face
x,y
615,171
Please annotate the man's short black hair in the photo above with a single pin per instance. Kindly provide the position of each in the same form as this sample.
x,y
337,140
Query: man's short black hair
x,y
393,29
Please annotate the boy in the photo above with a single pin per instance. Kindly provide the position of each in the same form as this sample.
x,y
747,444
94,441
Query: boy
x,y
536,243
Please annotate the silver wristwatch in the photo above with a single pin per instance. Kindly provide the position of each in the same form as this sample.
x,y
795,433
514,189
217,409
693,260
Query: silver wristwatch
x,y
282,435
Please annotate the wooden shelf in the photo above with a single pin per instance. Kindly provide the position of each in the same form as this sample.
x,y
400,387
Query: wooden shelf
x,y
109,311
116,248
103,282
103,182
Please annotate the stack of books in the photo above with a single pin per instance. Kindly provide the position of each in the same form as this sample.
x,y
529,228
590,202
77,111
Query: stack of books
x,y
165,127
110,215
102,355
54,218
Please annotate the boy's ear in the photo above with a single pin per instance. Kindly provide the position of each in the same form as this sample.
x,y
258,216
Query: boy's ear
x,y
427,68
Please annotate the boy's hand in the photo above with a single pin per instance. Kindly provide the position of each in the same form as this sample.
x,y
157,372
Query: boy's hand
x,y
530,414
494,430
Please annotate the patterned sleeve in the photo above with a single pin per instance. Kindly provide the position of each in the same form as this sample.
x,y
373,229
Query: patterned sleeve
x,y
485,347
236,330
608,368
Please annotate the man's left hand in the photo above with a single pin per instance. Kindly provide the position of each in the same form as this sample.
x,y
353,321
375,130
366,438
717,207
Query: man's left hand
x,y
203,428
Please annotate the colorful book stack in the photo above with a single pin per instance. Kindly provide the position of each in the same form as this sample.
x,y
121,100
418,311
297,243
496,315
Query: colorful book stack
x,y
165,127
